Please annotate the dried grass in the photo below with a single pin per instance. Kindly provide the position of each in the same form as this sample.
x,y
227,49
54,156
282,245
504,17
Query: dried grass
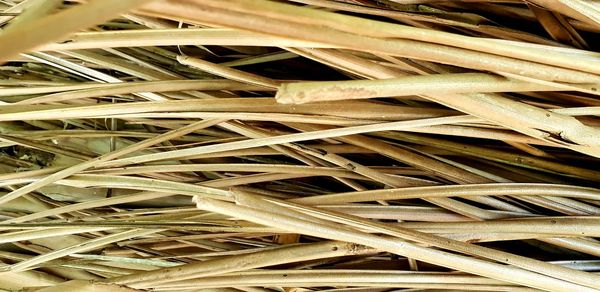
x,y
301,145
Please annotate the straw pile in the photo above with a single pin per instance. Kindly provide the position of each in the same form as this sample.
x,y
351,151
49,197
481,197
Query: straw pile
x,y
301,145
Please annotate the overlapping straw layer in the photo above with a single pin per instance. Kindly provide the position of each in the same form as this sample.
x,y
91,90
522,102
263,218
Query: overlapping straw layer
x,y
301,145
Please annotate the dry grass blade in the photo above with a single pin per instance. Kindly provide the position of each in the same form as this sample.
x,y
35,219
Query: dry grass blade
x,y
407,86
244,262
526,119
586,11
389,244
27,34
106,157
171,37
299,145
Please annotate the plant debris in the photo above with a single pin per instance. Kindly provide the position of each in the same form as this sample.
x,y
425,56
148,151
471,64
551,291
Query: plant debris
x,y
299,145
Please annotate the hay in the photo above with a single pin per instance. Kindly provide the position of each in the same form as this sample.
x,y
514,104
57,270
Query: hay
x,y
302,145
